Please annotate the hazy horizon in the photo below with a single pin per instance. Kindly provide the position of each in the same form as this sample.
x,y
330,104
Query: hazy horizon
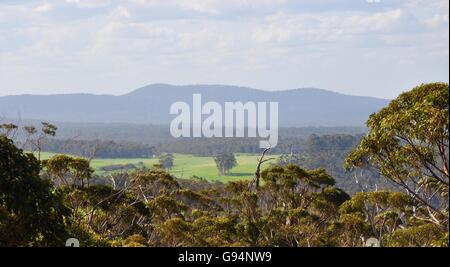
x,y
190,85
372,48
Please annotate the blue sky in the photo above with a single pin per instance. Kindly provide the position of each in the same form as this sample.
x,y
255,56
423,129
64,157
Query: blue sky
x,y
361,47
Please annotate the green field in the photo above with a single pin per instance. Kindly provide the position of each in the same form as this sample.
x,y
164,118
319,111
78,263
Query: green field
x,y
187,166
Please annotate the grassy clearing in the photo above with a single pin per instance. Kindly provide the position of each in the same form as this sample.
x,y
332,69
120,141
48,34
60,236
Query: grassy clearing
x,y
187,166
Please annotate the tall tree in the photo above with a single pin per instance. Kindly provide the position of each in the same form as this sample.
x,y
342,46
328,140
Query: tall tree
x,y
68,171
166,161
408,143
31,209
225,162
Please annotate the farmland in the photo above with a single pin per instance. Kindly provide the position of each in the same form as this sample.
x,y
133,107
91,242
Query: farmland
x,y
185,166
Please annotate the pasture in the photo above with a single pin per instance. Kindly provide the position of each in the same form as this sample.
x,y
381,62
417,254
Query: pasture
x,y
186,166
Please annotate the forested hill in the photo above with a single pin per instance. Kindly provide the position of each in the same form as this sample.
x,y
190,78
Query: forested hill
x,y
150,104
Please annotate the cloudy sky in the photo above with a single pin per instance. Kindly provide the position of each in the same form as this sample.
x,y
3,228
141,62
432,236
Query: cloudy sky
x,y
360,47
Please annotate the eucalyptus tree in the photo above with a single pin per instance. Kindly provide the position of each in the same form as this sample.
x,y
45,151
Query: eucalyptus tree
x,y
408,143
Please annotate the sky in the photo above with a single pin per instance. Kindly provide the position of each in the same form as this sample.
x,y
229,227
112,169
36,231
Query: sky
x,y
360,47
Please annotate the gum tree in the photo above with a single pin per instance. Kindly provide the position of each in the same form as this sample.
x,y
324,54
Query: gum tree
x,y
407,142
31,209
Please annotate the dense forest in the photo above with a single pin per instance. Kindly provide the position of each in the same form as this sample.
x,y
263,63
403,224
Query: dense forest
x,y
98,148
203,147
153,135
294,202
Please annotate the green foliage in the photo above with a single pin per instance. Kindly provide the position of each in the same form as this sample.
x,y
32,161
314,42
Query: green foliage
x,y
32,212
225,162
86,236
101,148
418,236
329,152
7,129
67,171
408,143
166,161
49,129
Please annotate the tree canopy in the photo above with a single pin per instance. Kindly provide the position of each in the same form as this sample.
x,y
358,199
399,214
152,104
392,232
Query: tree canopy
x,y
32,212
408,143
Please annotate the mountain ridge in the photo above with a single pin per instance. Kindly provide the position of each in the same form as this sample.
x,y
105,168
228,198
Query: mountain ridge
x,y
150,104
201,85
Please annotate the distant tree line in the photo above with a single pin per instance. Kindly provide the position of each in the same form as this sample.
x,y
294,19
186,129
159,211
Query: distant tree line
x,y
154,135
204,147
99,148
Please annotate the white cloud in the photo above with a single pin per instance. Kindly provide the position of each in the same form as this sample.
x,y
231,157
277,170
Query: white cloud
x,y
120,12
45,7
89,3
270,44
436,21
212,6
283,27
432,4
13,13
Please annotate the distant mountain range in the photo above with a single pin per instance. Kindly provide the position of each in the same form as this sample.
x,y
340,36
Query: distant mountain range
x,y
150,105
